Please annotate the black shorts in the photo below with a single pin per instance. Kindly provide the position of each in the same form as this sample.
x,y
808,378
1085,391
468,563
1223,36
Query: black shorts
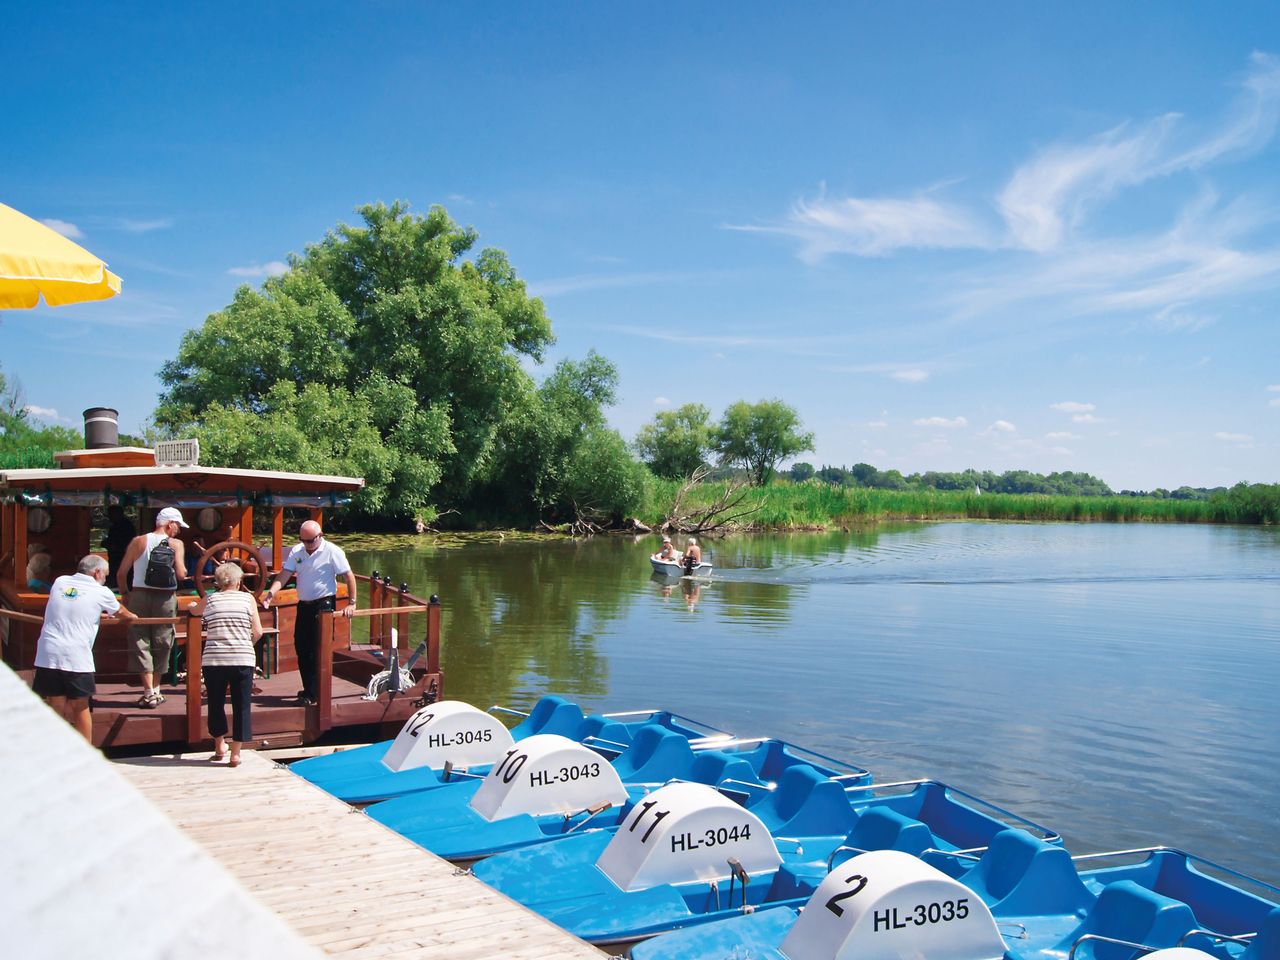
x,y
50,682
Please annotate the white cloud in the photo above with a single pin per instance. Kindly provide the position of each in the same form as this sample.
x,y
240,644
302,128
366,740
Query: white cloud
x,y
1049,194
1072,406
874,226
1062,435
910,376
273,269
69,230
1085,418
877,424
661,402
1274,388
46,413
144,226
951,424
1002,426
1057,184
1274,403
1233,437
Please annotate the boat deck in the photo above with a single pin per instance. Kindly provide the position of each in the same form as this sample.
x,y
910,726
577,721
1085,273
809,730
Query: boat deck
x,y
277,719
344,882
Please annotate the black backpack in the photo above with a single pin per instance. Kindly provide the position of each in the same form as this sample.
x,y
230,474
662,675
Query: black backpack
x,y
161,572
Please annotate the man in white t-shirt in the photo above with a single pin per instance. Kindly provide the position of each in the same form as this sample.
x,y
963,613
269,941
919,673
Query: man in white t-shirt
x,y
64,651
318,564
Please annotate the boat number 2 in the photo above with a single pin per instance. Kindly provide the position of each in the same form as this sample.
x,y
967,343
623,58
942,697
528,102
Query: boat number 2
x,y
858,881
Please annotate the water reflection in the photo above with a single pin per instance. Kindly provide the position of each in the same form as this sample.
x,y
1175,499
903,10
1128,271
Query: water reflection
x,y
1115,682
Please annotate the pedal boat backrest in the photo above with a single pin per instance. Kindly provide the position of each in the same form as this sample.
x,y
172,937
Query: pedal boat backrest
x,y
1129,913
806,804
1021,875
656,755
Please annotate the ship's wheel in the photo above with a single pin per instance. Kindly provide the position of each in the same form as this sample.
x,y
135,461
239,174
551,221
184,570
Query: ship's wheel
x,y
250,558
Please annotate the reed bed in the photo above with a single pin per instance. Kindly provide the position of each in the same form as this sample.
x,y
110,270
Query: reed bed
x,y
788,506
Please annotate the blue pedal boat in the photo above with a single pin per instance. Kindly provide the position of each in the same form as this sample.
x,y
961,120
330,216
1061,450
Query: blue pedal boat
x,y
575,881
470,739
550,791
1043,908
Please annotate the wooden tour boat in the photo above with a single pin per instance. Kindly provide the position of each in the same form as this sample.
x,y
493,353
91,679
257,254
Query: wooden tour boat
x,y
53,507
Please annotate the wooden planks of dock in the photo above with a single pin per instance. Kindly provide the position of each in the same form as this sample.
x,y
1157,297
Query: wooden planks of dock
x,y
344,882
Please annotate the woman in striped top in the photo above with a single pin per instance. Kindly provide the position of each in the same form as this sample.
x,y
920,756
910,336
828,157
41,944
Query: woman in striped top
x,y
231,627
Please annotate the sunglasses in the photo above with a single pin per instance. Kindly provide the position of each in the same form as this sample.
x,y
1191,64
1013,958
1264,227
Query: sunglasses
x,y
312,540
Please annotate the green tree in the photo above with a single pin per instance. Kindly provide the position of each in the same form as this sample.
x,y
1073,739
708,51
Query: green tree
x,y
802,471
758,436
677,442
389,341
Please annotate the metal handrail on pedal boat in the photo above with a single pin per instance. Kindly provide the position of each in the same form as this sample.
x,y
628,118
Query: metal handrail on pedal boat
x,y
1071,954
1047,835
1190,857
1245,938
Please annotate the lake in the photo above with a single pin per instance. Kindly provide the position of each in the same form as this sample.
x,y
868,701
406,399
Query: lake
x,y
1117,683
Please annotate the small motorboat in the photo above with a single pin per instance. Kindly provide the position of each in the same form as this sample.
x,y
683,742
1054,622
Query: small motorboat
x,y
1026,891
550,788
675,568
470,739
615,888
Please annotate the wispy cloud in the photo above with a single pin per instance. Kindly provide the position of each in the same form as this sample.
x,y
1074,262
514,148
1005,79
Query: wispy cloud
x,y
1072,406
954,423
1045,246
1002,426
1062,435
129,225
1086,418
1242,438
661,402
913,375
1055,186
272,269
1274,388
69,230
874,226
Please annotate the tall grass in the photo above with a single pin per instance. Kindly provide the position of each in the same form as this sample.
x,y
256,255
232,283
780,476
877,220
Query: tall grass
x,y
783,505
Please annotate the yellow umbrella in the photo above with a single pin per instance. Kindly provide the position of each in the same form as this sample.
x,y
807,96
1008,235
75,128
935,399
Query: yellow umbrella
x,y
35,260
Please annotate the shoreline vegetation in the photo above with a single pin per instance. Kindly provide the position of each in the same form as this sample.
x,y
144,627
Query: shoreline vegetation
x,y
783,505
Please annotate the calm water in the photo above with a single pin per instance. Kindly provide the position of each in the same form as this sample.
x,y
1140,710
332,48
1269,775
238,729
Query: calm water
x,y
1116,683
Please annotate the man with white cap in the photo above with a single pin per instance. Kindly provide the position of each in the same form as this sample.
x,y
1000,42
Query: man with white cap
x,y
155,591
668,552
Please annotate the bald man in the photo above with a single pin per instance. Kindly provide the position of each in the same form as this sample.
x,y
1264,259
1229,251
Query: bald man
x,y
317,564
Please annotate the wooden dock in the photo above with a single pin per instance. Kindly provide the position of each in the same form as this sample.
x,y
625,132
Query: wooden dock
x,y
344,882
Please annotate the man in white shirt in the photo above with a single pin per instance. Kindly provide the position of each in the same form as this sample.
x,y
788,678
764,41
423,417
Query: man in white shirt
x,y
64,650
317,564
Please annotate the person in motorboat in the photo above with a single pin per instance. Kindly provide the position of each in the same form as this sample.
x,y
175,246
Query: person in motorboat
x,y
692,555
668,552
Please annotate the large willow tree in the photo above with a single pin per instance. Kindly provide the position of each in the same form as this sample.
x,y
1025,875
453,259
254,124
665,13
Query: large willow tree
x,y
385,351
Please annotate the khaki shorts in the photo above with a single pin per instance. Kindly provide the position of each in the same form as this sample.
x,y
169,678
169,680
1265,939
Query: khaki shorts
x,y
150,647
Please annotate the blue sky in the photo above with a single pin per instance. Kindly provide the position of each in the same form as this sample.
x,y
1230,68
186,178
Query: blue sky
x,y
990,235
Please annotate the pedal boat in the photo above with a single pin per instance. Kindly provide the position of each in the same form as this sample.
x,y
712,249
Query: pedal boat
x,y
687,856
470,739
548,789
1031,890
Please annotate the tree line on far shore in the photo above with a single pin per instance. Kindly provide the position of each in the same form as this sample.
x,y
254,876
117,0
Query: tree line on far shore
x,y
390,350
